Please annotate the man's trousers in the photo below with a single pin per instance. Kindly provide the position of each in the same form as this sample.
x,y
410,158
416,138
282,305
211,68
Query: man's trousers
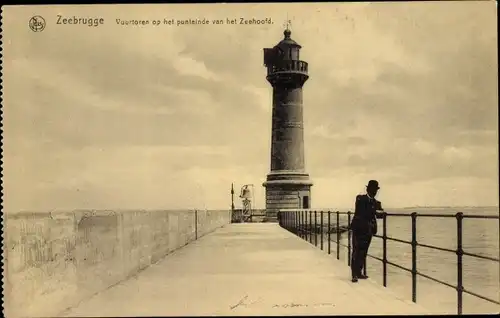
x,y
360,245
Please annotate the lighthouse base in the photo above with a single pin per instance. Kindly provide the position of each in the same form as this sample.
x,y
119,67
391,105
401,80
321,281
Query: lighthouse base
x,y
286,190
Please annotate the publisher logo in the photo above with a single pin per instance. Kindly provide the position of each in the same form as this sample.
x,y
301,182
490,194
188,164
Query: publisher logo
x,y
37,23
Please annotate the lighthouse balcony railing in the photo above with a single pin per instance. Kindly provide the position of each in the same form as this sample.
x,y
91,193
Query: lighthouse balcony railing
x,y
288,66
317,227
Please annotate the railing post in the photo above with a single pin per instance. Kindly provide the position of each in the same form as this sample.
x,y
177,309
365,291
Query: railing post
x,y
315,228
310,227
364,265
321,230
302,224
384,249
329,230
349,238
414,257
338,235
306,224
195,224
296,222
289,221
460,253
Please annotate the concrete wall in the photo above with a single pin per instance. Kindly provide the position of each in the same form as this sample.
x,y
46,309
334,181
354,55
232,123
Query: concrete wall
x,y
56,260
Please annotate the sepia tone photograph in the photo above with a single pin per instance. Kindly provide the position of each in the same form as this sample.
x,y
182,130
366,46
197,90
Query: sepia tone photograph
x,y
250,159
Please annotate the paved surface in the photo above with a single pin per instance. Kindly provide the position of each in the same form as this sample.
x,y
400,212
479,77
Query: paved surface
x,y
246,269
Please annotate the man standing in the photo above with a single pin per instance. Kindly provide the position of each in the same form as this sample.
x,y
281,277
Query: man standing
x,y
364,226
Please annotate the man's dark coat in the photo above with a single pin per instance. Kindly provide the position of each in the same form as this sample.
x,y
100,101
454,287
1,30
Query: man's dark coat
x,y
365,214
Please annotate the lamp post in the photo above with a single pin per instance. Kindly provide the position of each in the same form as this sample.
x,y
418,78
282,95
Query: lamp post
x,y
232,197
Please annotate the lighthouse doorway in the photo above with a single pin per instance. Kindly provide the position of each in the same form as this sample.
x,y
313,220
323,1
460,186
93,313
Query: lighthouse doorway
x,y
305,202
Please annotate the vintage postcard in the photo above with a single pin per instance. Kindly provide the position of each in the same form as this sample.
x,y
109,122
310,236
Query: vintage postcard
x,y
250,159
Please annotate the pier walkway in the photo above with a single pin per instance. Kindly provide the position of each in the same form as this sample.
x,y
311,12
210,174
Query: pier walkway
x,y
245,269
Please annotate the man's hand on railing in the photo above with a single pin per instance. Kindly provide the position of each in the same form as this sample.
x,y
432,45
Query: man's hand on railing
x,y
379,210
380,214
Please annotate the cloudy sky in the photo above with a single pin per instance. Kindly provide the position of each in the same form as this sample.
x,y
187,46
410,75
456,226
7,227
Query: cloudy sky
x,y
167,117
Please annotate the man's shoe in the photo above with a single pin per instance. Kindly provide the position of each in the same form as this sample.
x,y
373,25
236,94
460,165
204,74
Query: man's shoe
x,y
354,279
362,276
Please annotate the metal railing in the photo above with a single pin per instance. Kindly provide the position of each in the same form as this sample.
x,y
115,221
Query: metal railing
x,y
288,66
300,223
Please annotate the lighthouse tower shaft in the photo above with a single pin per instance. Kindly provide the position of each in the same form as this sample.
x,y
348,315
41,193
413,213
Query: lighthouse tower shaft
x,y
288,185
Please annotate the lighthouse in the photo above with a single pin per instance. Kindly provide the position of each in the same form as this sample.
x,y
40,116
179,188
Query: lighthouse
x,y
288,185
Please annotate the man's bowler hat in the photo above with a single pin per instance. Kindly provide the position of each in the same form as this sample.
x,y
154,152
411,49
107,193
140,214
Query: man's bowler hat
x,y
373,184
